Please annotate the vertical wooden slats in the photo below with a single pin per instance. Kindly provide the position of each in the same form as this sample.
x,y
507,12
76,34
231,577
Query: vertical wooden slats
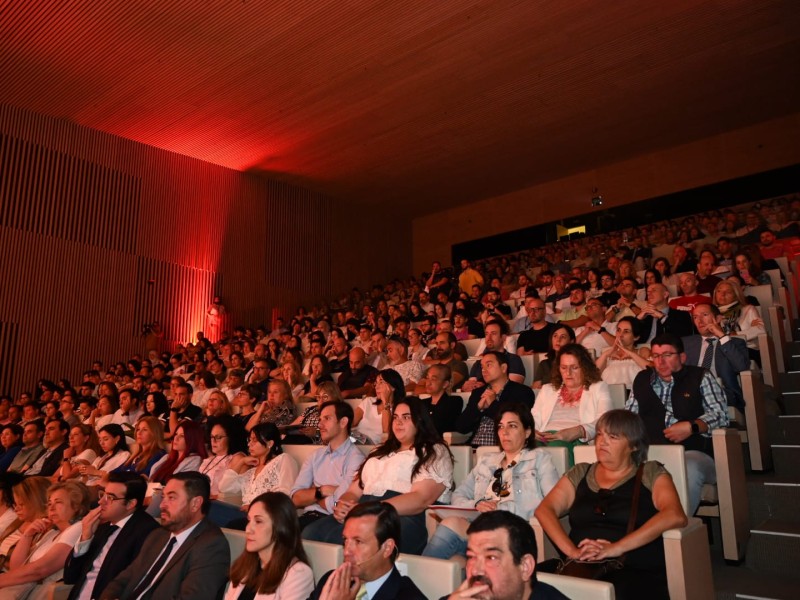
x,y
87,219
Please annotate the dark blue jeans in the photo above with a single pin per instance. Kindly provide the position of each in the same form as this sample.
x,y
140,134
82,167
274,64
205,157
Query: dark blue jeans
x,y
413,534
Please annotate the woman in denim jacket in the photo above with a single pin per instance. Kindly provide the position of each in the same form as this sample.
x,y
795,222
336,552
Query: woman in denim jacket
x,y
516,480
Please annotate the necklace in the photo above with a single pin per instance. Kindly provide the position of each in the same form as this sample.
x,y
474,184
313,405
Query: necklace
x,y
567,398
213,464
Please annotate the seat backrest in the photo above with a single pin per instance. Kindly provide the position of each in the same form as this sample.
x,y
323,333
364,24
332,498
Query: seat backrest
x,y
236,541
300,452
464,398
433,576
672,457
575,587
354,402
618,394
775,283
529,362
323,557
472,346
462,462
560,456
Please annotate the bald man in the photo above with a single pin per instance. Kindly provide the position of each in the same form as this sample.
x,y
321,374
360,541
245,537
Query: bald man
x,y
358,378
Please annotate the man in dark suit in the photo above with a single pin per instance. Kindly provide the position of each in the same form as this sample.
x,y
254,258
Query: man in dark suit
x,y
723,355
104,550
502,566
371,541
188,557
484,402
657,317
55,442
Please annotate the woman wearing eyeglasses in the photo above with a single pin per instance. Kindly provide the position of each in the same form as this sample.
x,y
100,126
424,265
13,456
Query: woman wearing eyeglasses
x,y
515,479
598,499
226,441
567,408
411,470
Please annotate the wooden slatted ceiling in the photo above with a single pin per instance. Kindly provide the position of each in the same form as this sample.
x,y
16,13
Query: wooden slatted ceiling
x,y
427,104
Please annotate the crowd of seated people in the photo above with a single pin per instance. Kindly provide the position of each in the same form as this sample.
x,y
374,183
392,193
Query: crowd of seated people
x,y
615,308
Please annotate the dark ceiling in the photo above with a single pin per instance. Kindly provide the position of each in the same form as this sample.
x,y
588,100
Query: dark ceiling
x,y
423,104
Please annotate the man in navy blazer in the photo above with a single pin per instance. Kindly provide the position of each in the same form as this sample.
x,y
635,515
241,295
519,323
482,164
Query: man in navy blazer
x,y
112,535
729,354
371,545
657,317
188,557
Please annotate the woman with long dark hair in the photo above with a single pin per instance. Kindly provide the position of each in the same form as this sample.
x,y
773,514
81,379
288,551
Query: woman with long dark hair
x,y
114,446
372,416
273,565
411,470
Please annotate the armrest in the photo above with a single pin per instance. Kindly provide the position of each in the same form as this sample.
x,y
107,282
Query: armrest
x,y
58,591
546,548
689,574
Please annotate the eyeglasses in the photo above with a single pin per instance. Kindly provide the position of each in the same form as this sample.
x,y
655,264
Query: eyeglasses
x,y
499,488
101,496
217,438
603,499
666,355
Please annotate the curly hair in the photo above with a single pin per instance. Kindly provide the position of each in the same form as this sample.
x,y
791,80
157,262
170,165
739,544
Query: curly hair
x,y
590,372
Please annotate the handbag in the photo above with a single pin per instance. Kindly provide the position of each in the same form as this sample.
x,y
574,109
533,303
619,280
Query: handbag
x,y
598,569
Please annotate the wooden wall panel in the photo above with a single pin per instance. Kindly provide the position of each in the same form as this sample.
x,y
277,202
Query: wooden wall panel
x,y
88,220
737,153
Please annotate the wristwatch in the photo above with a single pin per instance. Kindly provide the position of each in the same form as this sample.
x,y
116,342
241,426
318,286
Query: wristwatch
x,y
695,427
318,493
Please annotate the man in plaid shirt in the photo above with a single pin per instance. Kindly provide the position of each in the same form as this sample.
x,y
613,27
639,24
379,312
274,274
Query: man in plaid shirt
x,y
681,404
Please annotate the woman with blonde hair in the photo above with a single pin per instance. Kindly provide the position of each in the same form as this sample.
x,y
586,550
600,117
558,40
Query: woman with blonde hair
x,y
278,408
150,441
29,502
291,374
739,317
39,555
84,447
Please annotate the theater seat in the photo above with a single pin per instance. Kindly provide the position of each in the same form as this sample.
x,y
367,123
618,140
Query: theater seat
x,y
323,557
575,587
236,542
435,577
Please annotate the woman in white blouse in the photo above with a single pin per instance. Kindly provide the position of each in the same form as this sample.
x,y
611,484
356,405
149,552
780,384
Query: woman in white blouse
x,y
114,446
39,556
411,470
567,408
273,565
226,441
267,469
83,450
621,362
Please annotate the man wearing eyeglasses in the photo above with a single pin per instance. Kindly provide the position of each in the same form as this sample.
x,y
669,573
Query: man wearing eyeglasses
x,y
681,404
112,534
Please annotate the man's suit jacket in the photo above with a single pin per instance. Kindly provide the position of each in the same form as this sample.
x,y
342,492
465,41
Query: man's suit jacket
x,y
677,322
730,359
121,554
198,571
396,587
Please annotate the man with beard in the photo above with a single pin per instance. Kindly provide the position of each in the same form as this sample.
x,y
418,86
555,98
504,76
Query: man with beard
x,y
188,557
501,561
445,355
